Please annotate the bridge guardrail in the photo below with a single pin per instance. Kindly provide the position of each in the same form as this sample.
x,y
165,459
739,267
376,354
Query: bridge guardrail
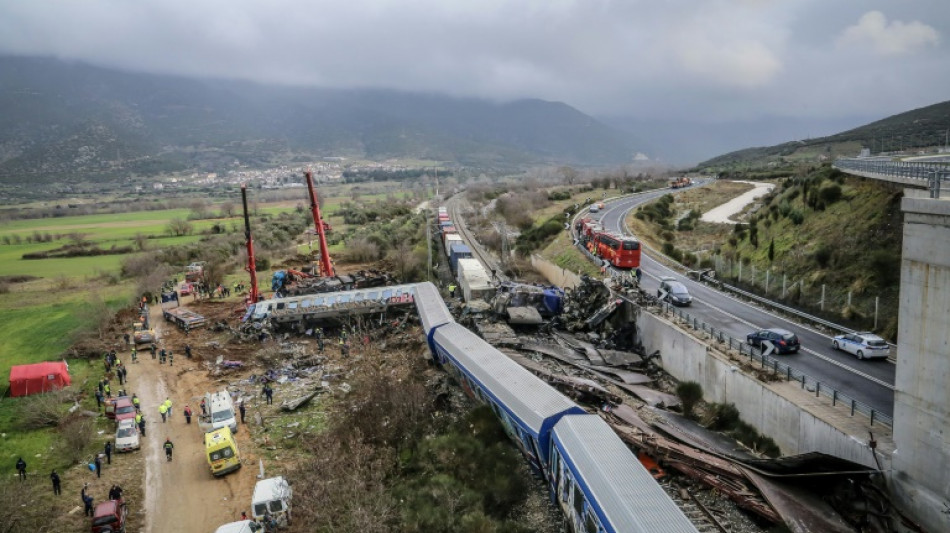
x,y
925,172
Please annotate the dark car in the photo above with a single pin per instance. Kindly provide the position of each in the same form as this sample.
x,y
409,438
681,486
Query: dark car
x,y
674,292
783,340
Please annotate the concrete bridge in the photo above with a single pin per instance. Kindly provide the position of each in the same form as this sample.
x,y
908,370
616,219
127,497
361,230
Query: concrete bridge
x,y
917,174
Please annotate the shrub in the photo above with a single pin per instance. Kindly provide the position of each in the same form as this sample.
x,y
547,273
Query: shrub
x,y
689,393
796,217
823,255
829,193
362,249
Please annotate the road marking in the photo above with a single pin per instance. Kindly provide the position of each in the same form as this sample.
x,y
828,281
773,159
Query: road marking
x,y
825,358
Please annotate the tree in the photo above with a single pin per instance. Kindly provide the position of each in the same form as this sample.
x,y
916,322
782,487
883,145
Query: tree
x,y
141,241
179,227
689,393
569,174
226,209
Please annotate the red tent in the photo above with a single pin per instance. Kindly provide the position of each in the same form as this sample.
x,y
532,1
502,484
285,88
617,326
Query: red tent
x,y
37,378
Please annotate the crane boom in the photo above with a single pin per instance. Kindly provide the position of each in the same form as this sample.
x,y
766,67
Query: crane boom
x,y
326,266
251,264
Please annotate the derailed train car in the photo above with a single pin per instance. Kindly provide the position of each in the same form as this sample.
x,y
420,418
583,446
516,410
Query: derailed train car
x,y
599,484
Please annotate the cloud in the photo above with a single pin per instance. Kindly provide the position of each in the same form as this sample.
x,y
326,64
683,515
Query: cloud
x,y
896,38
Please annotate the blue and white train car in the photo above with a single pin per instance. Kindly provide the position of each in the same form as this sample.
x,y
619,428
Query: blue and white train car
x,y
527,406
602,487
432,310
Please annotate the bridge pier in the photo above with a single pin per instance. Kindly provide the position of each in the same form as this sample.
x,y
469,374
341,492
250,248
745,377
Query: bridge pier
x,y
921,462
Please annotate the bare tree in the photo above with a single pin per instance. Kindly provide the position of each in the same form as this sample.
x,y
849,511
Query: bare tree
x,y
141,241
199,209
405,261
227,208
180,227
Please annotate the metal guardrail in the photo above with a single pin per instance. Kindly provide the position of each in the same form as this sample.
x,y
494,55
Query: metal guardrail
x,y
929,174
779,368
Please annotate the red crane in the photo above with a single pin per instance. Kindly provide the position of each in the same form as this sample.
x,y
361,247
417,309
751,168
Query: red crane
x,y
251,264
326,266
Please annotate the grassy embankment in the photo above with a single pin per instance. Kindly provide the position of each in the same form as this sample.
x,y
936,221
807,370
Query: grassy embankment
x,y
818,229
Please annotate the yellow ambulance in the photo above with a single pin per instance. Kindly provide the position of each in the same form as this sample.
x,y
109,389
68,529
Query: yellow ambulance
x,y
222,451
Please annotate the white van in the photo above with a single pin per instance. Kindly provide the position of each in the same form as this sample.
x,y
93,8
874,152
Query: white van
x,y
220,412
272,496
244,526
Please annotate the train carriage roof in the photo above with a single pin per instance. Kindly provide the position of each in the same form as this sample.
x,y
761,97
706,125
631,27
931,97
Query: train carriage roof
x,y
624,493
431,307
525,396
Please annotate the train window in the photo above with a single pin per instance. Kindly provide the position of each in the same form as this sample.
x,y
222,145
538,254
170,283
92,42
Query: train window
x,y
578,500
591,522
305,303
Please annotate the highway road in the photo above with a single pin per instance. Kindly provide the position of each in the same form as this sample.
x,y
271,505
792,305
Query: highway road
x,y
870,382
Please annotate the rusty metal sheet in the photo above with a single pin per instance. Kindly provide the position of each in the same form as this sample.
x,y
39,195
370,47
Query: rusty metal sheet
x,y
802,510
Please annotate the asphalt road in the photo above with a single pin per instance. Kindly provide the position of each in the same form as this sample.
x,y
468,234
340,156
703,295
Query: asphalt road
x,y
868,381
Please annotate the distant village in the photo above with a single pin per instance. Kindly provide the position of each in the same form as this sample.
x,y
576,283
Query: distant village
x,y
329,170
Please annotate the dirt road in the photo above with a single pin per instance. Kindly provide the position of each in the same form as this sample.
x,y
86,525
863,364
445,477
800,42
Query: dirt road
x,y
182,495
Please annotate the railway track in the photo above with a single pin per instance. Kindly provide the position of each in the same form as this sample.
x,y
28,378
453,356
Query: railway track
x,y
484,257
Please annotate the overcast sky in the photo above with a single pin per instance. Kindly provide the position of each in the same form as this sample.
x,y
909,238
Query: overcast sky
x,y
659,59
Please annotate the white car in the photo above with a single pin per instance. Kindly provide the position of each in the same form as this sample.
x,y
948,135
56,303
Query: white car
x,y
127,436
863,345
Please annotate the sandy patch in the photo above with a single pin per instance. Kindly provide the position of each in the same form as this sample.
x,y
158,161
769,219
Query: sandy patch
x,y
723,213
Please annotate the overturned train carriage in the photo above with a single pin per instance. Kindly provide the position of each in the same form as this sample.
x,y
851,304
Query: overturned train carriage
x,y
600,485
527,406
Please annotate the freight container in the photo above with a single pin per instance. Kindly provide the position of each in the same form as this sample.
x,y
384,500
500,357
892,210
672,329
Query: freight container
x,y
458,251
474,281
448,240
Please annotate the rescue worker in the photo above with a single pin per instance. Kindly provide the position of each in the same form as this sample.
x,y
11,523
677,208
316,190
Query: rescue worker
x,y
187,412
136,402
168,448
204,409
161,356
87,503
153,349
171,358
452,290
188,351
54,477
168,406
141,419
135,355
243,411
162,410
268,393
21,469
320,339
108,450
107,389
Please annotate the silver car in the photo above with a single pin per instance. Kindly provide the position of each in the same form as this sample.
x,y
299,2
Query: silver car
x,y
864,345
127,436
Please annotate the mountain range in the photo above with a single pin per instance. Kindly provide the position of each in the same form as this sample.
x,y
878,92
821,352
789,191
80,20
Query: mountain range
x,y
68,120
